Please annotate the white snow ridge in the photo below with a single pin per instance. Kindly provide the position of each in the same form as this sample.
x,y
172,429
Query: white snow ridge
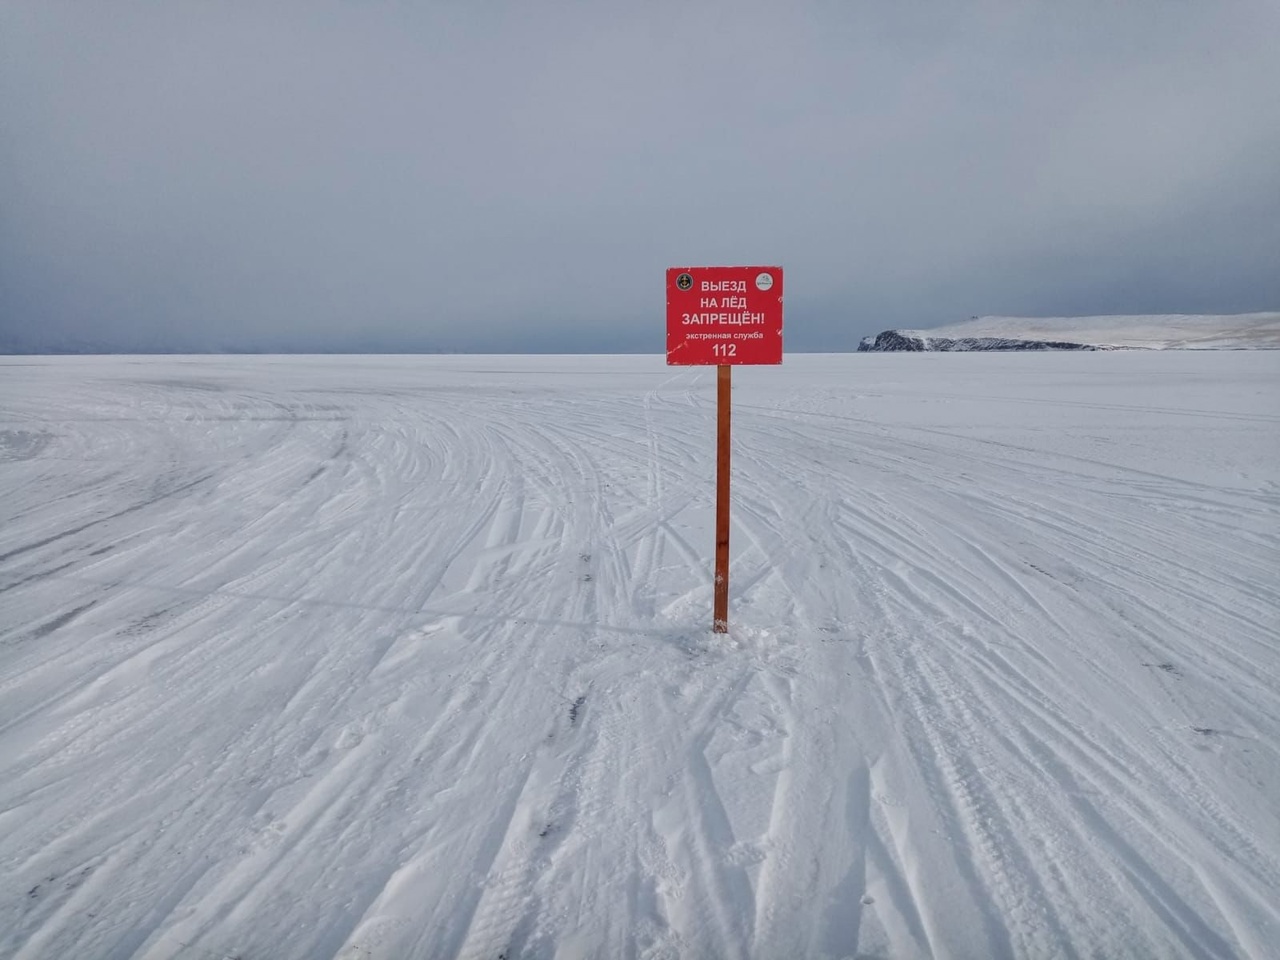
x,y
1241,331
388,658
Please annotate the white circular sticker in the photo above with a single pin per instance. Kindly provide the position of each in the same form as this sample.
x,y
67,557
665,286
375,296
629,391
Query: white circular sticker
x,y
764,281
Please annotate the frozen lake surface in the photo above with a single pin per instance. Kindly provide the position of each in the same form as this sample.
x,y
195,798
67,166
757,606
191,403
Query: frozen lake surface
x,y
382,658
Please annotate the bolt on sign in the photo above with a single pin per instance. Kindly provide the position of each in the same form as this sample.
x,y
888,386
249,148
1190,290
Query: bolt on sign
x,y
722,317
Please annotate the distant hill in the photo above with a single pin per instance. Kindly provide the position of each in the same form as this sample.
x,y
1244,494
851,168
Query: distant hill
x,y
1241,331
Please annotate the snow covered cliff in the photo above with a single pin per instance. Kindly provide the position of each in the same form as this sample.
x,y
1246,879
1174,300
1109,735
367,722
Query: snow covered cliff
x,y
1244,331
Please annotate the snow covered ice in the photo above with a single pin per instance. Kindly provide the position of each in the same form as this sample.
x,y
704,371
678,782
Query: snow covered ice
x,y
380,658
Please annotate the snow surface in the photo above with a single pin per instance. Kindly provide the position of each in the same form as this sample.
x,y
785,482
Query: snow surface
x,y
1242,331
409,658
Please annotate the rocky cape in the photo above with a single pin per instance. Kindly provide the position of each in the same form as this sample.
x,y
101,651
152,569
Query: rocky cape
x,y
1240,331
896,341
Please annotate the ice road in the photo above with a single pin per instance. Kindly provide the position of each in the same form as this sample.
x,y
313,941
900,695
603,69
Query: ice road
x,y
385,658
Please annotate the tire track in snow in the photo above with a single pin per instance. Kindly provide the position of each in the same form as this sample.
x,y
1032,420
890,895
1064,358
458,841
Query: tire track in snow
x,y
367,661
939,578
790,918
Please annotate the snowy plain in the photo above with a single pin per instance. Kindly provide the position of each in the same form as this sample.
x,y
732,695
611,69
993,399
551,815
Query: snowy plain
x,y
381,658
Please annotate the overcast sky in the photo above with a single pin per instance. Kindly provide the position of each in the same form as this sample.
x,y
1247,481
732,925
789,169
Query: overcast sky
x,y
517,176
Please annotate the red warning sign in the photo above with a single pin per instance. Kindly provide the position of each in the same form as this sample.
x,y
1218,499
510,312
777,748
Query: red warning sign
x,y
724,315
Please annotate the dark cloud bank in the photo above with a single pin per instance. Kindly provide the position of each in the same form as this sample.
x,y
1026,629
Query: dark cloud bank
x,y
516,177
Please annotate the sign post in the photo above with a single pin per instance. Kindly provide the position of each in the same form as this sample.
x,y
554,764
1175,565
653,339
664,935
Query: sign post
x,y
724,387
723,317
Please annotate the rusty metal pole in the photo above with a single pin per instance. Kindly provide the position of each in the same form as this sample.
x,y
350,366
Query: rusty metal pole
x,y
720,623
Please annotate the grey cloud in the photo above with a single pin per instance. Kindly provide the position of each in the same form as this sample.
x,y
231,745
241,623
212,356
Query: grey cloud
x,y
516,176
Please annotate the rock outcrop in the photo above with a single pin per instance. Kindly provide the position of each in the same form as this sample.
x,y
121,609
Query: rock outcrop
x,y
895,341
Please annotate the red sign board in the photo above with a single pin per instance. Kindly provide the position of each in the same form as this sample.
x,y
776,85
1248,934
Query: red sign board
x,y
724,315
